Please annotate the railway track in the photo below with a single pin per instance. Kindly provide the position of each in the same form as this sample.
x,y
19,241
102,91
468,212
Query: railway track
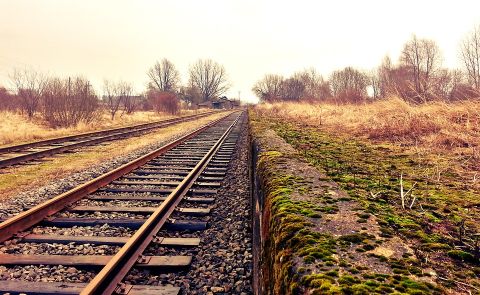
x,y
18,154
127,211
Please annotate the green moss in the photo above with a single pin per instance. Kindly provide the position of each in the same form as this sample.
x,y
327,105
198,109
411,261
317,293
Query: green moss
x,y
415,270
384,289
368,247
302,269
309,259
461,255
355,238
411,285
329,209
348,280
295,288
332,273
435,246
359,169
314,215
309,279
386,232
381,276
329,263
353,270
357,289
289,227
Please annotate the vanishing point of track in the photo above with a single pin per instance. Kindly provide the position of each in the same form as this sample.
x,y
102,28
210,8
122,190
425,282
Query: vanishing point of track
x,y
18,154
177,181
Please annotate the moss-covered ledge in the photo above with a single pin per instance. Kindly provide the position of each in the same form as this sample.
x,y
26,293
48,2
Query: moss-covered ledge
x,y
315,238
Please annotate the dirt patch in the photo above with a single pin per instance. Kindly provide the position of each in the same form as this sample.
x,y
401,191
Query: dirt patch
x,y
393,248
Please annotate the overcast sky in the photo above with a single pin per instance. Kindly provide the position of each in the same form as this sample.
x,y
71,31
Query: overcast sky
x,y
114,39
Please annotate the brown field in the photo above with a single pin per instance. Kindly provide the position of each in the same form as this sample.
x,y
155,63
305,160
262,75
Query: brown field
x,y
437,125
16,128
447,134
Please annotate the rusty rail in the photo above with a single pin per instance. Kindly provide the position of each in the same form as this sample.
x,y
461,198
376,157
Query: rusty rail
x,y
109,279
106,136
26,219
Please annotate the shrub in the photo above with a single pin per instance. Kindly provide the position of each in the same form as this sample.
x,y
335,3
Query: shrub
x,y
68,102
166,102
8,102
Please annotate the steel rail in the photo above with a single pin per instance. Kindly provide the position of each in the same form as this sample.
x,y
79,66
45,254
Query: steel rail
x,y
108,280
13,148
35,155
26,219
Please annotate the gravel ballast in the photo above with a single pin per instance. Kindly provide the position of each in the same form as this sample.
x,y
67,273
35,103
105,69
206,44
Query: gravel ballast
x,y
25,200
222,264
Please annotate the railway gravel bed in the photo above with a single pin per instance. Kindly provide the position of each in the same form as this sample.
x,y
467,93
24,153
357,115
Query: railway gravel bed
x,y
220,200
223,261
27,199
59,249
86,231
56,273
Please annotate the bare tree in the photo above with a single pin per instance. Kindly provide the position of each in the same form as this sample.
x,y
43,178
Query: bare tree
x,y
209,77
29,86
164,76
292,89
304,85
129,101
349,85
190,94
375,84
269,88
387,75
66,102
8,101
452,85
112,96
423,57
443,84
316,88
470,53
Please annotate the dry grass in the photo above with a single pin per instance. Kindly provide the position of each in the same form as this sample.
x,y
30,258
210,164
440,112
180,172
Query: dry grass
x,y
21,178
434,125
372,151
16,128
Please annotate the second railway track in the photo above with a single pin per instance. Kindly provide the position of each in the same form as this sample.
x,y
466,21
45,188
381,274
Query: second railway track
x,y
19,154
129,209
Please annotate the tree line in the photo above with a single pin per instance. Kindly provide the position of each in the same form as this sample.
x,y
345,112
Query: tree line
x,y
68,101
418,77
207,79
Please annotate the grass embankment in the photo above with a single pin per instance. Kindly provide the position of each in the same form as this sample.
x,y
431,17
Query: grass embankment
x,y
23,177
436,125
431,247
16,128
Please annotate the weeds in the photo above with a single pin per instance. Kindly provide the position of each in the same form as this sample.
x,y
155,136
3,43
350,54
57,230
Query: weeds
x,y
433,125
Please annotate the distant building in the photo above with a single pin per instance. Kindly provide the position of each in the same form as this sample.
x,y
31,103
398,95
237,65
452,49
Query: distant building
x,y
219,103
